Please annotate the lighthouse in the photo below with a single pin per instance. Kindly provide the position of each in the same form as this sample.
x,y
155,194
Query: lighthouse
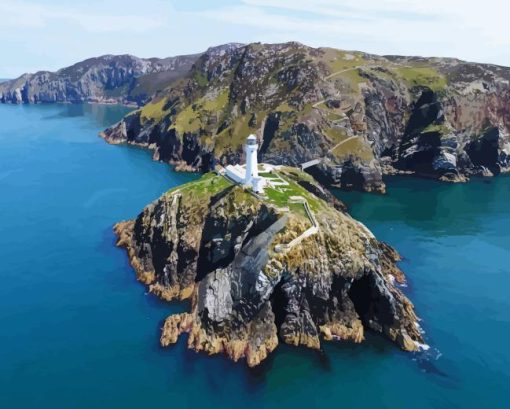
x,y
250,149
248,175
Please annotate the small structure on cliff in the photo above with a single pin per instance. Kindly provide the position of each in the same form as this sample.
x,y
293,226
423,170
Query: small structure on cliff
x,y
248,174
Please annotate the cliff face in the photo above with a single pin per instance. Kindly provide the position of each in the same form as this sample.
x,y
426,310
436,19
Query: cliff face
x,y
361,116
108,79
250,289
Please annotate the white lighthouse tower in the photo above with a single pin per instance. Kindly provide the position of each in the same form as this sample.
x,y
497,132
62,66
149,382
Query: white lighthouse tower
x,y
252,170
248,175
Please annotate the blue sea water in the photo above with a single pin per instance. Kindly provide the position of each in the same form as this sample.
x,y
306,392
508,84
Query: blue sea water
x,y
78,331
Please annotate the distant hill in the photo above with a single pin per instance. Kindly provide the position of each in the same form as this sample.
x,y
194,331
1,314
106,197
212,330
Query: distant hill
x,y
108,79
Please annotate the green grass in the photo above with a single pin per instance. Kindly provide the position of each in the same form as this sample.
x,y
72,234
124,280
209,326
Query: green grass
x,y
355,148
194,117
153,111
337,60
268,175
284,107
336,135
299,208
440,128
208,185
234,136
424,76
333,116
215,104
280,196
187,120
201,79
352,77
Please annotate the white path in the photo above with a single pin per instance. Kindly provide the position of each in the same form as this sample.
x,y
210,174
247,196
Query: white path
x,y
314,229
314,162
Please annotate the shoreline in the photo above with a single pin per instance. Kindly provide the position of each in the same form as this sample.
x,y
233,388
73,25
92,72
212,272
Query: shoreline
x,y
128,105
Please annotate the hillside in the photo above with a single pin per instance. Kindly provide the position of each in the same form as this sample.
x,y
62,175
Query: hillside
x,y
357,116
107,79
255,279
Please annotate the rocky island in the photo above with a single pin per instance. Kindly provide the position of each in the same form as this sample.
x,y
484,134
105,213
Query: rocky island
x,y
289,264
255,279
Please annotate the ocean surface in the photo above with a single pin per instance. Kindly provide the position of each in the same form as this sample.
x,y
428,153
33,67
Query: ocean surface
x,y
78,331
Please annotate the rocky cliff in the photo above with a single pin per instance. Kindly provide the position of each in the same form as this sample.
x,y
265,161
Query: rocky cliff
x,y
108,79
255,280
359,116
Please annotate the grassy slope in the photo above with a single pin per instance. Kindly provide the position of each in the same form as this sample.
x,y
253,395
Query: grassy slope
x,y
203,114
211,184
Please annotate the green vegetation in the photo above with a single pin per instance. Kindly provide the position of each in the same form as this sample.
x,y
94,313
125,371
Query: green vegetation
x,y
425,76
336,135
352,78
208,185
153,111
355,148
280,195
195,117
197,193
216,104
269,175
337,60
234,136
284,107
439,128
281,145
288,119
187,120
333,116
201,79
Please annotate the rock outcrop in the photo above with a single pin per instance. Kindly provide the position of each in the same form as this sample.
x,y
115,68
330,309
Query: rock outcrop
x,y
220,246
363,116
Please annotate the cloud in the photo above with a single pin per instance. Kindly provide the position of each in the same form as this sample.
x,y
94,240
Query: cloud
x,y
50,34
326,26
362,10
456,28
25,14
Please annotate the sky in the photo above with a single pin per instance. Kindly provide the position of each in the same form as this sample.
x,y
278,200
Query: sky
x,y
51,34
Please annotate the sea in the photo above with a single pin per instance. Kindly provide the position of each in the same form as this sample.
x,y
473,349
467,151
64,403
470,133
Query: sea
x,y
78,331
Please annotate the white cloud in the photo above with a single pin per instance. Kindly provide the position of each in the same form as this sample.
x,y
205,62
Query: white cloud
x,y
25,14
456,28
361,10
50,34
